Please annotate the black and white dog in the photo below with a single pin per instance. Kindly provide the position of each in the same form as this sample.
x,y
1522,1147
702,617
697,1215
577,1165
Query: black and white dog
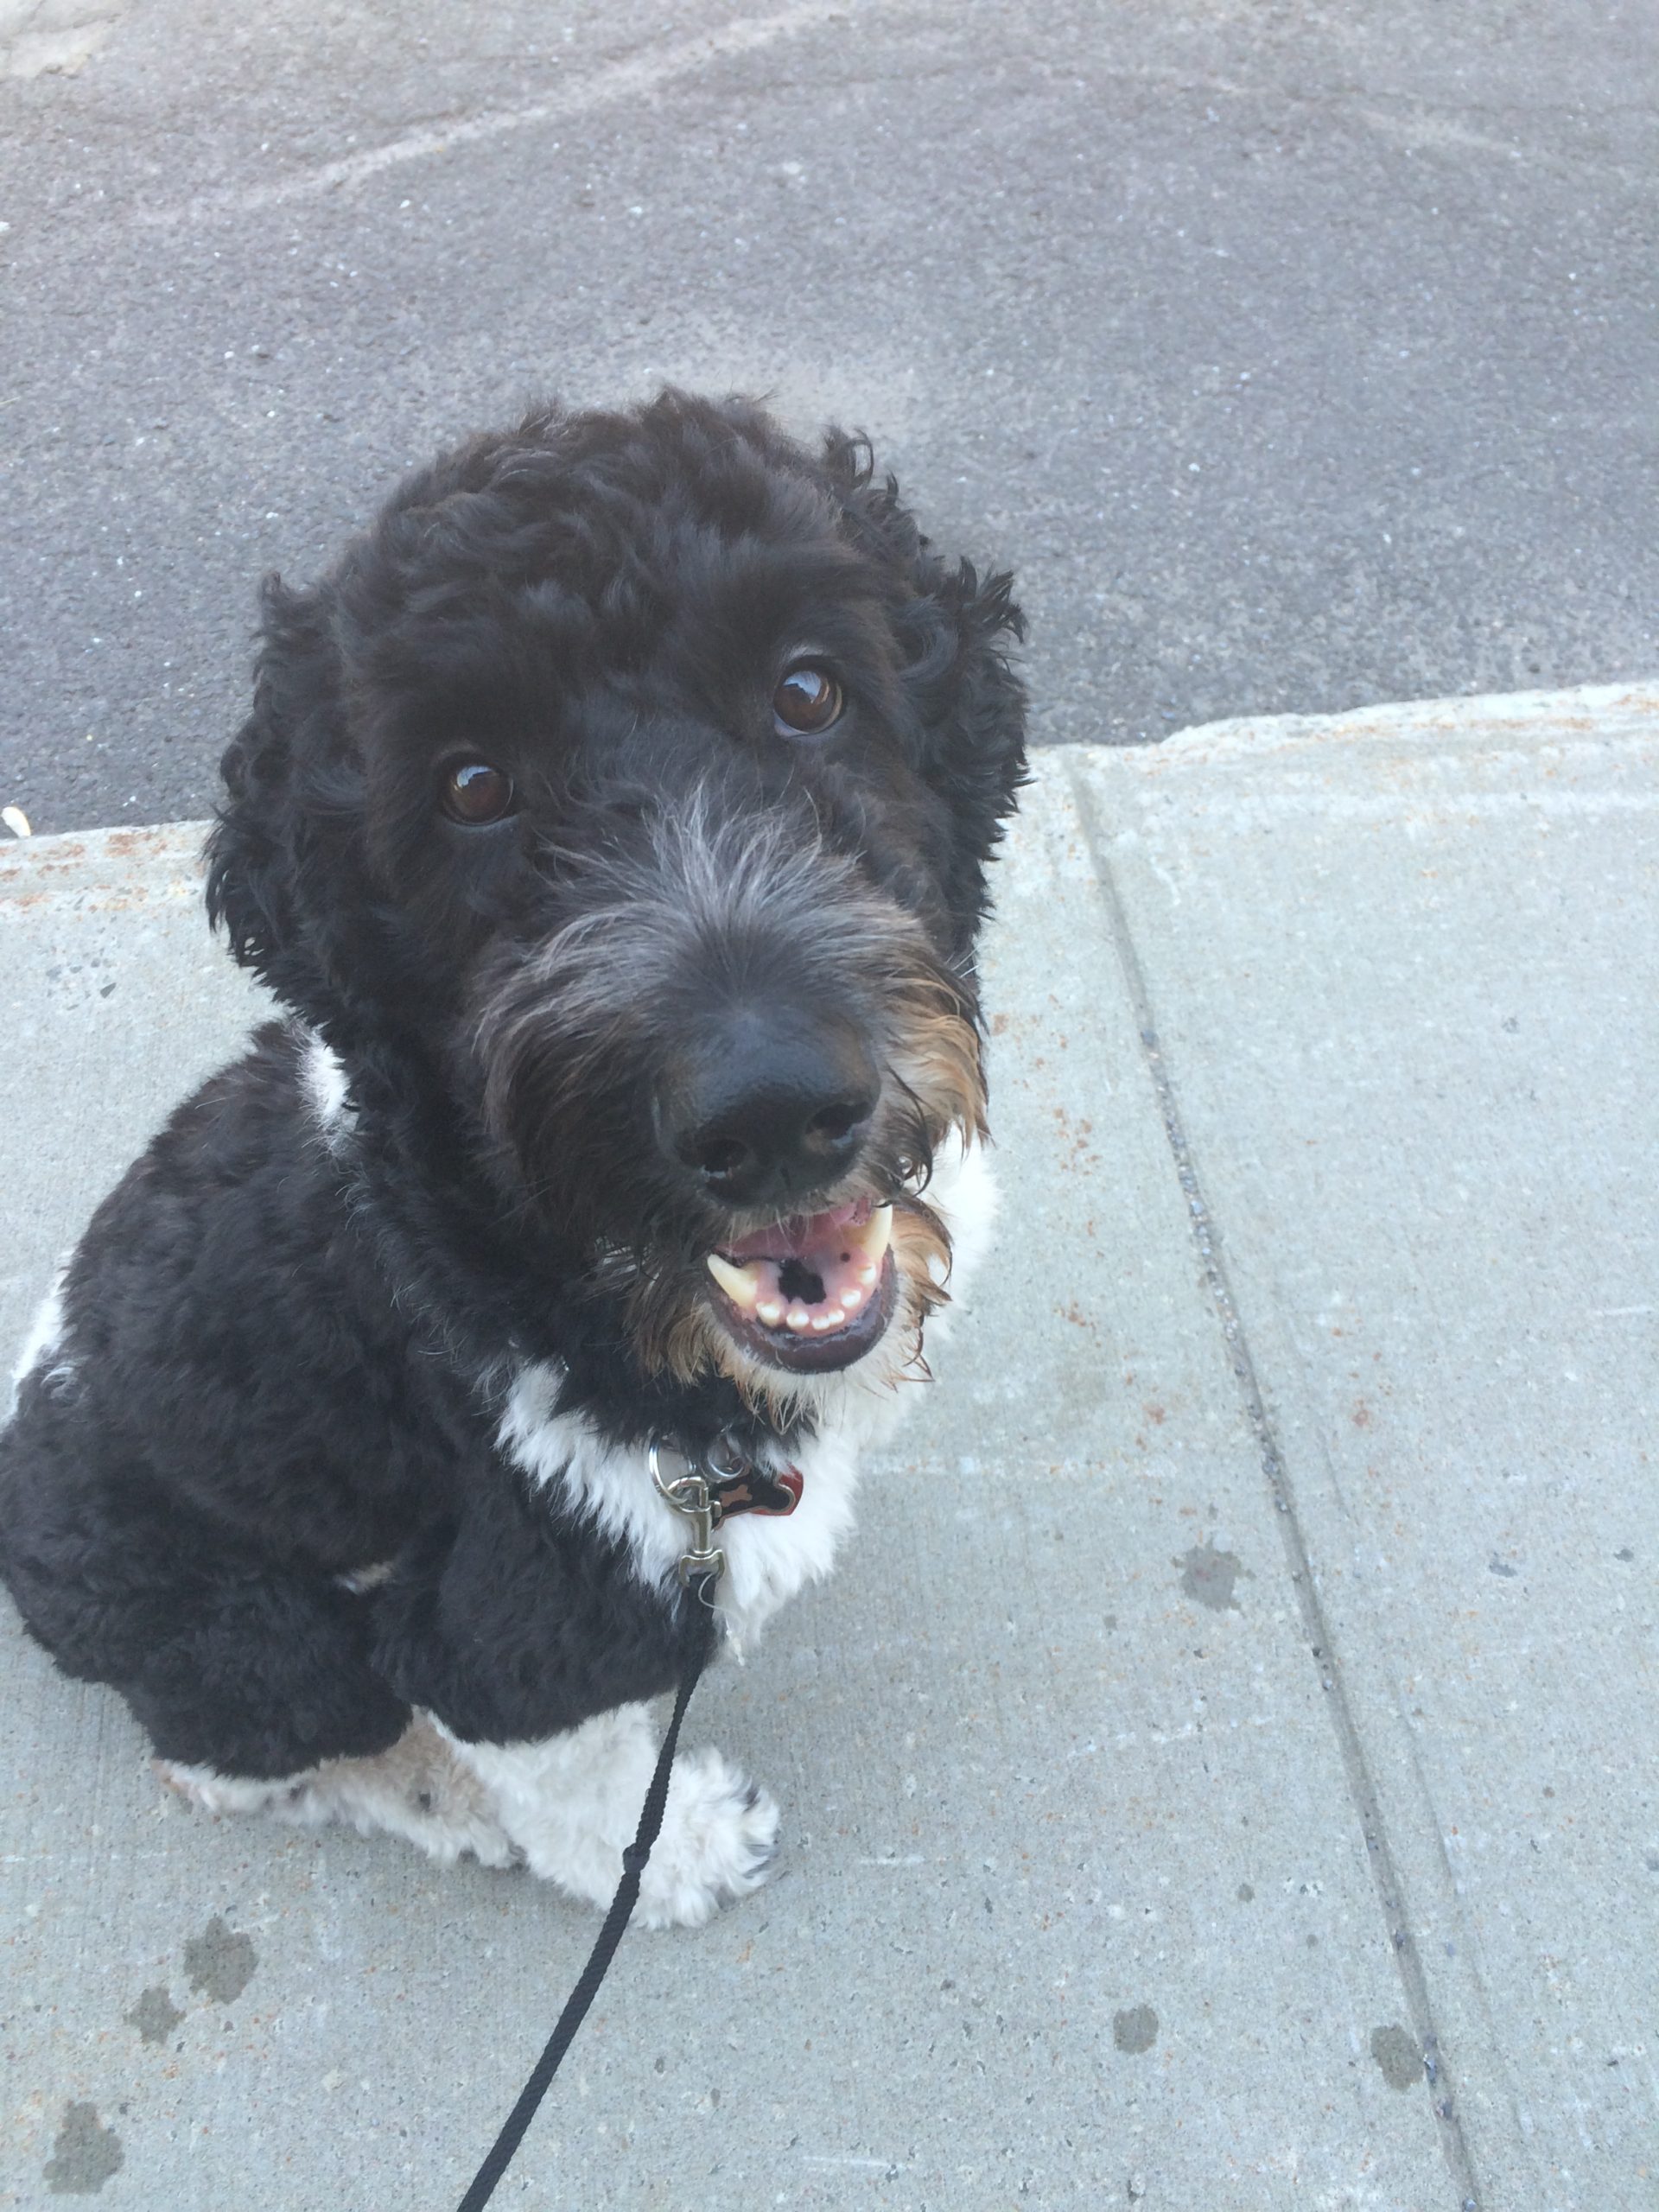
x,y
612,821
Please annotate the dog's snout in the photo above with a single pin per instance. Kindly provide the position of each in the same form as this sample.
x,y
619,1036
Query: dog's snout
x,y
774,1107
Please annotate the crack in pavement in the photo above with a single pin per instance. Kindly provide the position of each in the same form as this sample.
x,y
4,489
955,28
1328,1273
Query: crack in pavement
x,y
1316,1631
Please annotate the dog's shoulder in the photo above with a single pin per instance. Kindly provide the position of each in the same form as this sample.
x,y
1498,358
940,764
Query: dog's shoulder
x,y
239,1180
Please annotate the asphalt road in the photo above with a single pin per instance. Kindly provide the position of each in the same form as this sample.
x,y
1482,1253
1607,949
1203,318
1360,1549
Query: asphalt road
x,y
1298,356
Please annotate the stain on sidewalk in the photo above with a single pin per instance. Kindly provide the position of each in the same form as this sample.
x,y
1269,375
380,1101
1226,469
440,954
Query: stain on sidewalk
x,y
1208,1576
85,2155
1397,2052
220,1962
155,2015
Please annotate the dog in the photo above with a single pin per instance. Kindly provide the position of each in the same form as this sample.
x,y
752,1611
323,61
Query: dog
x,y
612,824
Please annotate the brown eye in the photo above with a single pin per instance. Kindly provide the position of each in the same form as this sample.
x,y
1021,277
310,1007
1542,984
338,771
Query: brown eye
x,y
806,702
473,792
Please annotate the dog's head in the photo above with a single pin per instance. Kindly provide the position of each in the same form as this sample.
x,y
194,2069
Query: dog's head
x,y
635,777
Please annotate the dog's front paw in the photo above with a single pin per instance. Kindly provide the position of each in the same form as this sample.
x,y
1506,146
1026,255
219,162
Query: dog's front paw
x,y
719,1838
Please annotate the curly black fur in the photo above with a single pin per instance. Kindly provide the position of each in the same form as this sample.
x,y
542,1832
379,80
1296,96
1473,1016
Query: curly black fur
x,y
282,1357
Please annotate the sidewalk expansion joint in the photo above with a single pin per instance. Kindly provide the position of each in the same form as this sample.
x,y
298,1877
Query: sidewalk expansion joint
x,y
1316,1631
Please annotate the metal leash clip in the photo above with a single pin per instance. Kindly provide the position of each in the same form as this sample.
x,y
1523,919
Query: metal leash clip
x,y
690,1495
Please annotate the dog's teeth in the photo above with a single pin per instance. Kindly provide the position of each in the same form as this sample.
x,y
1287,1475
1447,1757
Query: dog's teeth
x,y
771,1311
738,1283
869,1277
798,1318
852,1297
874,1238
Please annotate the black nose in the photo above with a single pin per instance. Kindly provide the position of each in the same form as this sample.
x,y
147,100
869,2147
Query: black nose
x,y
772,1106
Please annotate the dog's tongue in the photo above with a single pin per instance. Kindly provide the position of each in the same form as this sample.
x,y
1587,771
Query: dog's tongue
x,y
810,1273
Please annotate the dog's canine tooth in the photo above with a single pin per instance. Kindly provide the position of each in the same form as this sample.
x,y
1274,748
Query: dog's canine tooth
x,y
873,1240
740,1284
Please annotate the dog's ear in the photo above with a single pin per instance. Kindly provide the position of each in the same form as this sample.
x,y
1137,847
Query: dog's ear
x,y
956,626
276,813
976,703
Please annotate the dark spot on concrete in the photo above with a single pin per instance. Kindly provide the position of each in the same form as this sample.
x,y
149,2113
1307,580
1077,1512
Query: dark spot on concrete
x,y
155,2015
1652,1859
1246,1894
1108,1622
1209,1575
85,2155
1627,1554
1494,1566
220,1962
1136,2030
1395,2051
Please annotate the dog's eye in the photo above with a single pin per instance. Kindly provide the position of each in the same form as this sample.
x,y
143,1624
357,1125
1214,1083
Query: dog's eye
x,y
806,702
472,791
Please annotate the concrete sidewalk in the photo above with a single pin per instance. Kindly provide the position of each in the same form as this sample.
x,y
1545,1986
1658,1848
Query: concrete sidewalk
x,y
1224,1772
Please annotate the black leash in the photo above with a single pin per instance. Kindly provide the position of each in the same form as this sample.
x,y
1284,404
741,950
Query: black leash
x,y
717,1483
634,1861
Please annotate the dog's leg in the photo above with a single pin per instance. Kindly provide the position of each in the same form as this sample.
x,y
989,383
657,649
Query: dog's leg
x,y
419,1789
572,1804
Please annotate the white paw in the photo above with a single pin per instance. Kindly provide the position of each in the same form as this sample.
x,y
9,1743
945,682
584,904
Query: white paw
x,y
571,1804
220,1793
418,1790
720,1836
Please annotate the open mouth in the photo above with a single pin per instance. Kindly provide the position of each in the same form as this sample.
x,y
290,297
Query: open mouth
x,y
813,1292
